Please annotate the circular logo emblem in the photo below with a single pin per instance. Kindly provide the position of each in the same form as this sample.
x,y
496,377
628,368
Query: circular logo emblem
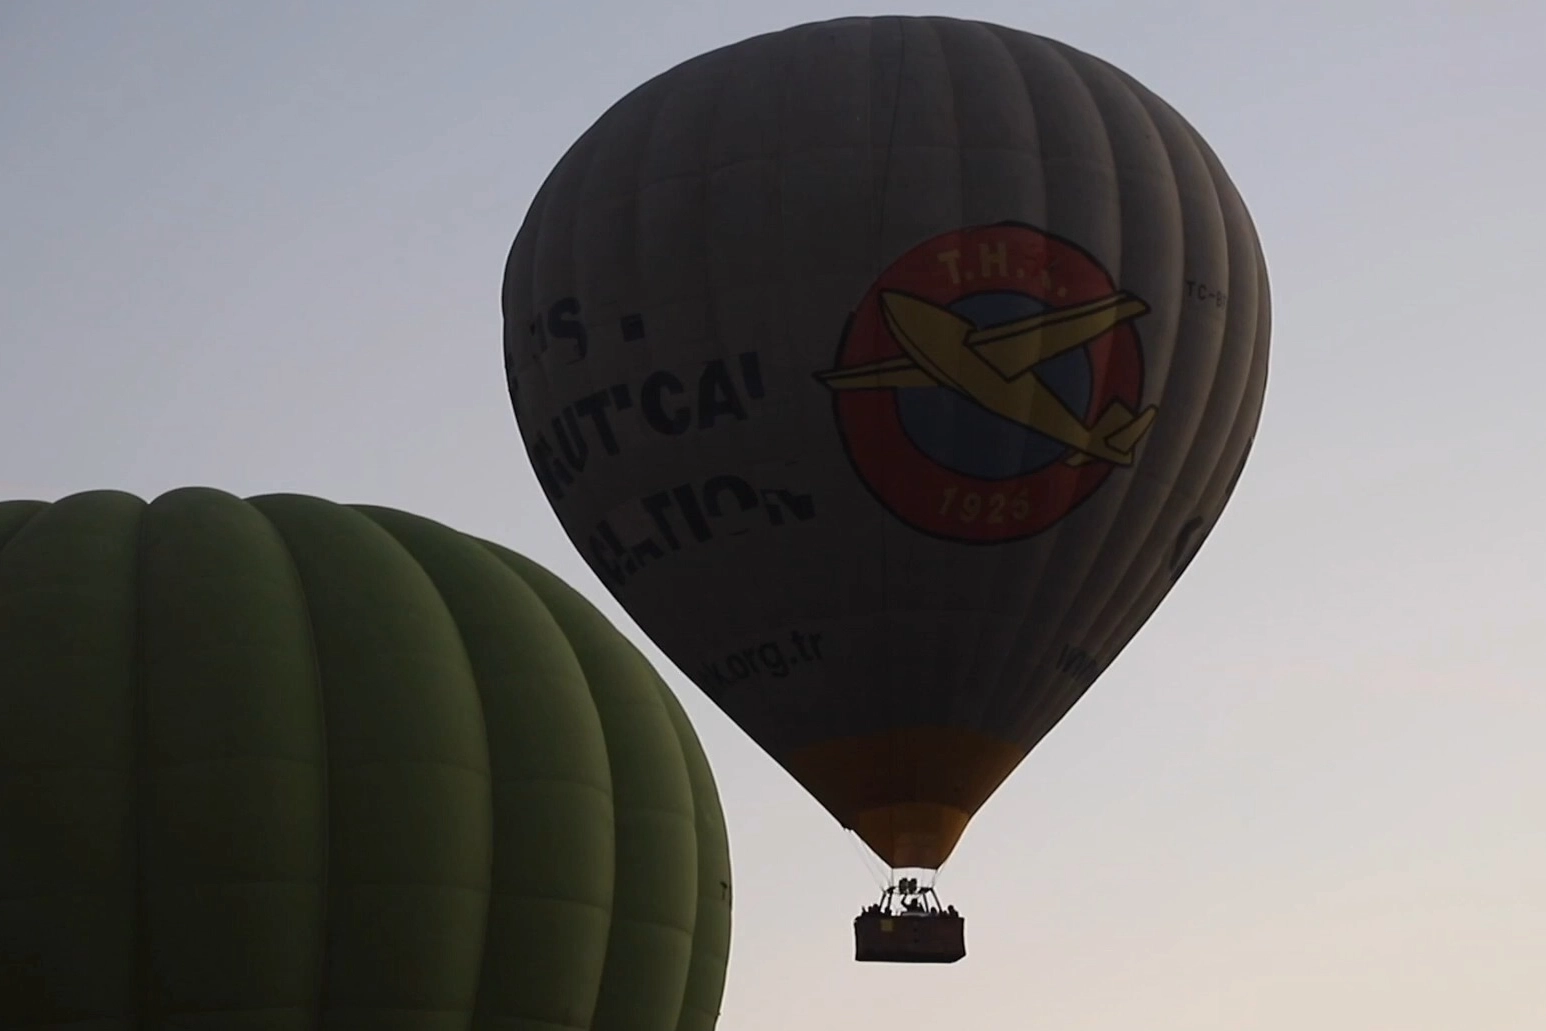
x,y
989,382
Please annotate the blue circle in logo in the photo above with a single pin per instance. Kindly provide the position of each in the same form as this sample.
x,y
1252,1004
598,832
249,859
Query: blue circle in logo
x,y
960,434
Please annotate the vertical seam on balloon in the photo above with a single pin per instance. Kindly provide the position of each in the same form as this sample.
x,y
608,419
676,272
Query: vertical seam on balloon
x,y
991,694
1031,589
885,167
575,187
546,216
775,159
965,673
1021,683
539,220
999,578
408,554
323,767
716,343
502,556
976,716
1147,594
1233,454
1059,701
609,983
1052,53
139,743
646,141
692,794
880,237
957,218
569,215
603,980
1055,704
713,806
706,174
779,171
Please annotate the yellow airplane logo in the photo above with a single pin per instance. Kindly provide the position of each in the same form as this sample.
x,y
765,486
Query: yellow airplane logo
x,y
990,366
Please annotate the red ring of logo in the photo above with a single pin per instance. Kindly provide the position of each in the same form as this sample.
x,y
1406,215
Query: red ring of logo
x,y
918,489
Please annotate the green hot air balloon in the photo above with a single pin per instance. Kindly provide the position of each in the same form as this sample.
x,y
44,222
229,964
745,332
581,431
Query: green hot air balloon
x,y
889,371
281,763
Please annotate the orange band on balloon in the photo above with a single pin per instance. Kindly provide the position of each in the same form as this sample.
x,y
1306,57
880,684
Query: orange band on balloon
x,y
907,793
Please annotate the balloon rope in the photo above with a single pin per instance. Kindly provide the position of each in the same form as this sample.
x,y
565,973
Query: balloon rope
x,y
882,879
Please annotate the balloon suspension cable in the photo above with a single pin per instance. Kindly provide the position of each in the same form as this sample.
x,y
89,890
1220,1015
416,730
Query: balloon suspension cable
x,y
872,864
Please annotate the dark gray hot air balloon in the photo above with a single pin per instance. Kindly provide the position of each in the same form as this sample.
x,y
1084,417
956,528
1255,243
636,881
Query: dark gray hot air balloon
x,y
889,371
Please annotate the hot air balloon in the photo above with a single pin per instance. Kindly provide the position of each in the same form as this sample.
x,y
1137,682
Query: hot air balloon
x,y
889,371
280,762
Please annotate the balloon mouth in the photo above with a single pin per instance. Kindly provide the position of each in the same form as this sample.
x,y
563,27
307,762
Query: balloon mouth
x,y
912,834
907,793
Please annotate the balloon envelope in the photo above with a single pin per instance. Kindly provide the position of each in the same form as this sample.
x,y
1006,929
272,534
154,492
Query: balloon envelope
x,y
280,762
889,371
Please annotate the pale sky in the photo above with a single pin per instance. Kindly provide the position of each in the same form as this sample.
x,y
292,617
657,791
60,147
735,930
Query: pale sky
x,y
259,246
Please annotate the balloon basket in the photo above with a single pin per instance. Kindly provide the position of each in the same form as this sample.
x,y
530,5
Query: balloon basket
x,y
909,926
